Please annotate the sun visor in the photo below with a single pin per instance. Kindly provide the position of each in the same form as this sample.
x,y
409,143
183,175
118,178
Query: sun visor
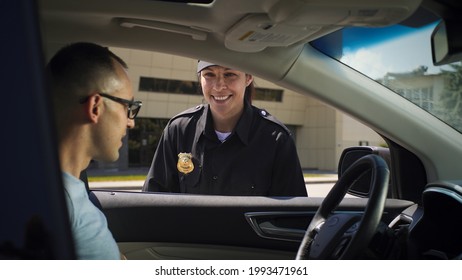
x,y
293,21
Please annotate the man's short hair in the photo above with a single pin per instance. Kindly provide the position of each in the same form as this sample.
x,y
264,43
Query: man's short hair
x,y
81,67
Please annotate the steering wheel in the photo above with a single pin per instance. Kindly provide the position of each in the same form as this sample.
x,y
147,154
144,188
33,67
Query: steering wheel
x,y
343,235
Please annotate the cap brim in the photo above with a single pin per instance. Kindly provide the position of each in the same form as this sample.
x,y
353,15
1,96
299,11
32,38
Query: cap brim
x,y
201,65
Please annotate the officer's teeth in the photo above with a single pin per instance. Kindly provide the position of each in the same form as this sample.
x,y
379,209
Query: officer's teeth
x,y
221,97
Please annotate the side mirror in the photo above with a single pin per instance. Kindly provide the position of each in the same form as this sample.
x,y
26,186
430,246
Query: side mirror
x,y
361,186
446,42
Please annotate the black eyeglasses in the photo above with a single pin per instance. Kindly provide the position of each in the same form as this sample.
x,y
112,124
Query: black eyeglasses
x,y
133,106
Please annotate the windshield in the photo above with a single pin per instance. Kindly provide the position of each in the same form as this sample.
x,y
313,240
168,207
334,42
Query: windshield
x,y
400,58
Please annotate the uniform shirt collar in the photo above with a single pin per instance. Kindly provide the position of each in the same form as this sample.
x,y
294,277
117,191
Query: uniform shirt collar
x,y
242,129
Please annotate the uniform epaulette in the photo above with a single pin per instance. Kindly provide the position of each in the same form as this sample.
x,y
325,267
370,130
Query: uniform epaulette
x,y
266,115
189,111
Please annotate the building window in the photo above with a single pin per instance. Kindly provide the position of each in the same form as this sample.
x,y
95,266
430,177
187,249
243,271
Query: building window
x,y
267,94
192,88
168,86
422,97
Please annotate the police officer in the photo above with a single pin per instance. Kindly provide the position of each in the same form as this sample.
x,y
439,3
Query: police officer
x,y
226,147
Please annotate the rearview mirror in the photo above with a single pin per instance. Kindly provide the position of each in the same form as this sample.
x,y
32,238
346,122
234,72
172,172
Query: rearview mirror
x,y
446,42
361,186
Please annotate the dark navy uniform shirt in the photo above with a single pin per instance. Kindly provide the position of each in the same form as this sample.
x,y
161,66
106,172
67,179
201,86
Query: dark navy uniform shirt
x,y
258,158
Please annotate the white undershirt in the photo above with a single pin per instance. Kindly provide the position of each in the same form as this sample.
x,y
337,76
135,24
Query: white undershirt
x,y
222,135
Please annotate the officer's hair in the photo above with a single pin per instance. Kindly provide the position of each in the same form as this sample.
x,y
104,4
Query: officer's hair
x,y
250,92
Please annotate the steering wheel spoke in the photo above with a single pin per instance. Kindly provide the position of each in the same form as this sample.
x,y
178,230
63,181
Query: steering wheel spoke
x,y
344,235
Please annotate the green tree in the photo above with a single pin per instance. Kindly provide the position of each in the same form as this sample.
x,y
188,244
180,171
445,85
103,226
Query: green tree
x,y
143,140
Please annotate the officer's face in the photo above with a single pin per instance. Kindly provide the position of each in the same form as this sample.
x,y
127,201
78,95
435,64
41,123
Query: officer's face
x,y
224,89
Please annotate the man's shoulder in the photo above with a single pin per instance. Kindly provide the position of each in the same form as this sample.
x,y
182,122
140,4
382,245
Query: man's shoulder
x,y
74,187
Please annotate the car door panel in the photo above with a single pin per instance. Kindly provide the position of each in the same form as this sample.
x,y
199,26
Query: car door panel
x,y
187,251
160,225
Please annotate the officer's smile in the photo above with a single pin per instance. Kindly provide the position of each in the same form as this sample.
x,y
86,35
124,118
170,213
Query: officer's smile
x,y
221,98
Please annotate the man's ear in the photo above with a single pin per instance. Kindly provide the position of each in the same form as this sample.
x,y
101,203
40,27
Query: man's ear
x,y
94,107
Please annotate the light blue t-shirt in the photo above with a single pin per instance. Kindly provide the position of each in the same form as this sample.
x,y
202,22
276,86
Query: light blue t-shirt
x,y
92,238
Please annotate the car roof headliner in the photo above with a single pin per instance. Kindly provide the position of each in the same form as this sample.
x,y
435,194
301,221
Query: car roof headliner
x,y
204,31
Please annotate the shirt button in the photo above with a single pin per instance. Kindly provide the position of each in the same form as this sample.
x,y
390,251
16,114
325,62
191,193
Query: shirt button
x,y
215,177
